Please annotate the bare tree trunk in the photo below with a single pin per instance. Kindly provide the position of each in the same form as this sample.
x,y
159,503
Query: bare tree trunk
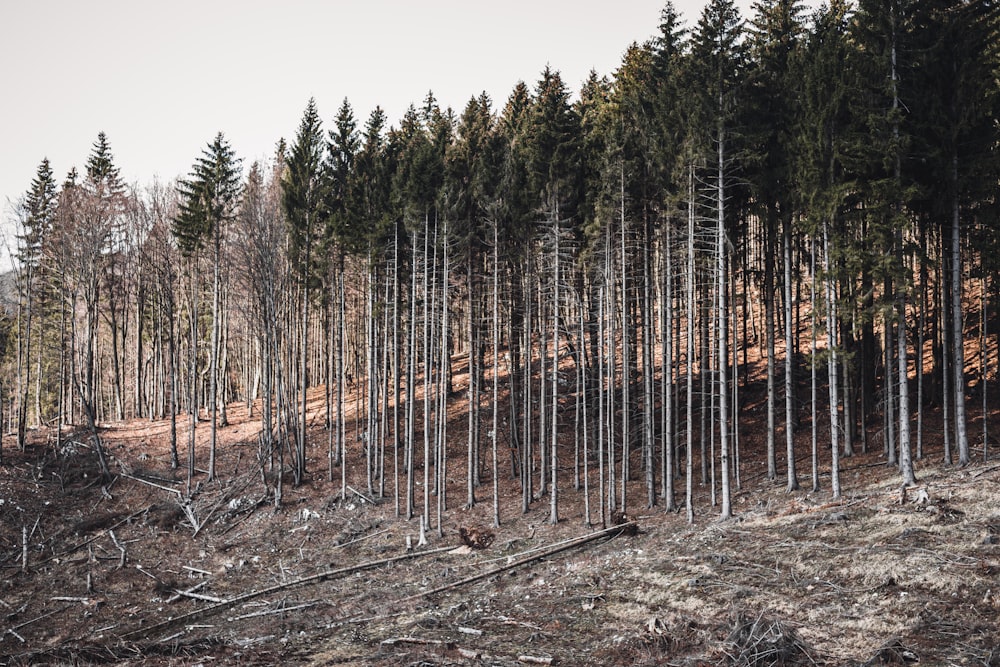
x,y
192,373
585,422
395,366
772,392
626,359
812,364
689,361
831,337
444,370
25,309
553,454
495,469
793,480
647,374
723,334
303,384
961,436
470,477
214,354
667,324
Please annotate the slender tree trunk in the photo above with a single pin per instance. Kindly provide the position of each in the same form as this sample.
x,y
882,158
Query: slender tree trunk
x,y
495,469
626,358
214,356
772,392
793,480
723,333
689,360
300,458
601,403
958,340
470,477
667,324
554,448
395,366
584,419
647,374
192,374
831,337
812,365
24,362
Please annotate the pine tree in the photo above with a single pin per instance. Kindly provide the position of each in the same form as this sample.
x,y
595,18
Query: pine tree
x,y
209,200
719,57
821,182
37,216
776,39
957,52
305,191
552,152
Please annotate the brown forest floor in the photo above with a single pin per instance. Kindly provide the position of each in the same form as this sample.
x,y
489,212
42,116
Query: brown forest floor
x,y
871,579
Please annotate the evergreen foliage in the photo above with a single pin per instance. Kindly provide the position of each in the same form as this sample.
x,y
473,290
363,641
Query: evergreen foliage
x,y
209,196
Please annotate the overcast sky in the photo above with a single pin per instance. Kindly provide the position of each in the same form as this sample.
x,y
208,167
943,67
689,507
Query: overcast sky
x,y
161,78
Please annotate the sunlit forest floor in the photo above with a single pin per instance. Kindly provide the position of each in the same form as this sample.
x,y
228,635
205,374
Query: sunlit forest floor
x,y
128,573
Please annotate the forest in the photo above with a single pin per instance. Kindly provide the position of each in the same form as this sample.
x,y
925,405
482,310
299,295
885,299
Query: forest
x,y
787,219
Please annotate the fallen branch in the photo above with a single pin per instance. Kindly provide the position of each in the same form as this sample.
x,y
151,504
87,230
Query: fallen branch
x,y
198,596
121,561
188,510
979,473
36,619
360,539
94,538
559,547
370,501
534,660
194,589
153,484
392,641
315,578
272,612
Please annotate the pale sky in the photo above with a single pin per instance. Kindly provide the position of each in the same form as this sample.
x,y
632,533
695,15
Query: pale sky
x,y
162,78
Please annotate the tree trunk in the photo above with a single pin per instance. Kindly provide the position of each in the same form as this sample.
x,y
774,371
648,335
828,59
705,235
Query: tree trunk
x,y
793,480
961,435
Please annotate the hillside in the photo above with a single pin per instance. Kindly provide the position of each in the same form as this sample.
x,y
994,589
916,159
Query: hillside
x,y
127,573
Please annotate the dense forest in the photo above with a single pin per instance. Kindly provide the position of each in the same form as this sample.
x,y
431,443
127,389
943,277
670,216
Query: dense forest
x,y
806,201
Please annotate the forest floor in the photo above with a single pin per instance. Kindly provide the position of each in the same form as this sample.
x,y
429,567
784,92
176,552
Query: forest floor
x,y
128,573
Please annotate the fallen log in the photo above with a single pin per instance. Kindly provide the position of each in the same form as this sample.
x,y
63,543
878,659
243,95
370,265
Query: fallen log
x,y
140,633
558,547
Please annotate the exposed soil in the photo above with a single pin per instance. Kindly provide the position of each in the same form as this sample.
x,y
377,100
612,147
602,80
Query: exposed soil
x,y
795,579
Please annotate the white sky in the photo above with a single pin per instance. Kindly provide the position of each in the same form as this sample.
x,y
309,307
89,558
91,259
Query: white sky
x,y
161,78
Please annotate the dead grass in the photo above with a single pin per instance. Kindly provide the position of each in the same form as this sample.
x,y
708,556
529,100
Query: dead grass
x,y
793,580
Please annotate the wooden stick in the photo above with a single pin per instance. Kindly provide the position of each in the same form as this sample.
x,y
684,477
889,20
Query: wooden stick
x,y
361,495
95,537
198,596
179,594
360,539
154,484
321,576
271,612
121,561
392,641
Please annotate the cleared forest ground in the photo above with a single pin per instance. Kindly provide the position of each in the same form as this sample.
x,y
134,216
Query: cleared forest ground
x,y
115,574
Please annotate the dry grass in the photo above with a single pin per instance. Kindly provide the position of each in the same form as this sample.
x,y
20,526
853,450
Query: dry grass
x,y
794,579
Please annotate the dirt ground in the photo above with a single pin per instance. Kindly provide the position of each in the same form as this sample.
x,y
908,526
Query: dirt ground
x,y
127,573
